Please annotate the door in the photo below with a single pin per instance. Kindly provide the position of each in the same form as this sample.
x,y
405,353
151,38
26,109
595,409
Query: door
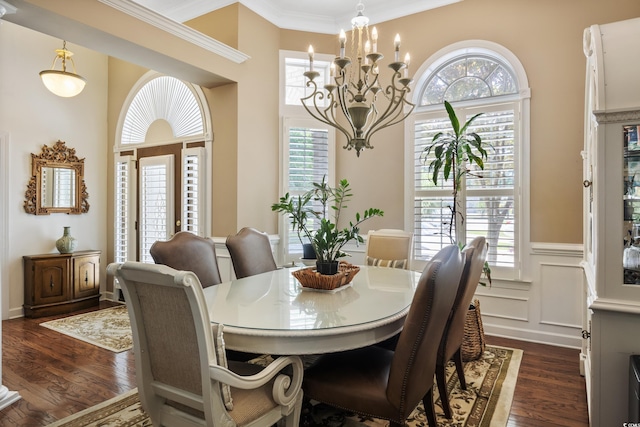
x,y
159,185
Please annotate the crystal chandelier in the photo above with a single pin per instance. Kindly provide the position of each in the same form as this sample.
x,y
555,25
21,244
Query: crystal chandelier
x,y
354,102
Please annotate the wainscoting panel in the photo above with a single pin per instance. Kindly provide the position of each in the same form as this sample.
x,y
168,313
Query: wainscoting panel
x,y
557,281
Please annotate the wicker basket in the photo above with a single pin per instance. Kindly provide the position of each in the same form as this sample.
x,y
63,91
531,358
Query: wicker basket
x,y
310,278
473,342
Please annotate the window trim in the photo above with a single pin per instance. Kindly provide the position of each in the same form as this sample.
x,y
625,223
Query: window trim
x,y
521,269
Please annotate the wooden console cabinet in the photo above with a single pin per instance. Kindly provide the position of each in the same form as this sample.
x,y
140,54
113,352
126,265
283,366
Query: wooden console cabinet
x,y
60,283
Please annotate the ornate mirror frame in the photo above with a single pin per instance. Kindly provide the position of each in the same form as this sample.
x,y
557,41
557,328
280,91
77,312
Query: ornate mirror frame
x,y
58,156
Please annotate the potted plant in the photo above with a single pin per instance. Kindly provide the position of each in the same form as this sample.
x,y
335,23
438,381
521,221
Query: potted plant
x,y
327,238
453,153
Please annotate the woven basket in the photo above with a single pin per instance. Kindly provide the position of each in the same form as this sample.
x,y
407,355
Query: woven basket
x,y
473,342
310,278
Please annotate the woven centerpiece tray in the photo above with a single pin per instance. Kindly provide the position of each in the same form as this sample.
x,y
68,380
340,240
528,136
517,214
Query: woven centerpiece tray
x,y
310,278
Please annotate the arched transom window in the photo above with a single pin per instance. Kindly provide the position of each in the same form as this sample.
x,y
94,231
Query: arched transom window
x,y
163,98
470,77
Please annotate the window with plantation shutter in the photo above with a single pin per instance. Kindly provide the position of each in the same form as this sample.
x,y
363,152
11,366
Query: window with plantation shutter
x,y
490,199
192,191
308,160
123,196
308,146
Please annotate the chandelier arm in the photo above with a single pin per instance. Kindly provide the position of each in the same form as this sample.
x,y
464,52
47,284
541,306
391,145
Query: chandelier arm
x,y
321,115
385,122
342,102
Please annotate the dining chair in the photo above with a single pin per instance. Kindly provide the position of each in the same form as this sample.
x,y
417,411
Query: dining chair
x,y
188,251
450,346
388,384
389,248
251,252
182,375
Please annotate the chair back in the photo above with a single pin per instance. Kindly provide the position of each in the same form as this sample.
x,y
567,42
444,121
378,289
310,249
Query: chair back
x,y
389,248
414,361
188,251
475,256
250,252
173,342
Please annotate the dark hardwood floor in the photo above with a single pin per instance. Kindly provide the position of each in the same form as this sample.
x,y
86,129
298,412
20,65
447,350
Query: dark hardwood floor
x,y
57,376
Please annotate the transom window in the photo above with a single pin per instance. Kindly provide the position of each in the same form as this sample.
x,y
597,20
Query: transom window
x,y
470,77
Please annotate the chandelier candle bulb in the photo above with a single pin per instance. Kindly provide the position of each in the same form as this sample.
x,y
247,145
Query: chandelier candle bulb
x,y
310,58
343,40
374,40
396,44
367,51
407,61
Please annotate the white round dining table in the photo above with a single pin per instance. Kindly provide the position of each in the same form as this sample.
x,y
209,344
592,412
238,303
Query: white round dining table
x,y
272,313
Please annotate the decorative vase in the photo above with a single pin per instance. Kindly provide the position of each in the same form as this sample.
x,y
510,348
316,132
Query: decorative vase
x,y
327,267
66,244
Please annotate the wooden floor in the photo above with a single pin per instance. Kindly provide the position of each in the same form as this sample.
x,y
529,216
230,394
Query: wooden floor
x,y
57,376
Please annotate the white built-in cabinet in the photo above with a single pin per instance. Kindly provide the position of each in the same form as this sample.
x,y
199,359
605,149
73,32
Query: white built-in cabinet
x,y
611,164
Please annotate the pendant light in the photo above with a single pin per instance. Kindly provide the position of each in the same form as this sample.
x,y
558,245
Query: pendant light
x,y
62,82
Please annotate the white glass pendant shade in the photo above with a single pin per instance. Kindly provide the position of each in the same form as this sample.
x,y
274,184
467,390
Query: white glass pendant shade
x,y
63,83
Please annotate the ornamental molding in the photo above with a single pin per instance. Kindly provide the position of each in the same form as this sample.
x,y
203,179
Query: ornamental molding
x,y
619,116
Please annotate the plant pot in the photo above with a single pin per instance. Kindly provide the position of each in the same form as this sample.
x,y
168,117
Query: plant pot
x,y
327,267
308,252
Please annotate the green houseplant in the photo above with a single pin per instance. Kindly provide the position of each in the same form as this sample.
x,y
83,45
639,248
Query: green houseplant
x,y
327,237
453,153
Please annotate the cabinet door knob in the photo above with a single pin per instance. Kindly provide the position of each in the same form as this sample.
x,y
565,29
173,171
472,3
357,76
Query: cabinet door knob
x,y
51,281
586,183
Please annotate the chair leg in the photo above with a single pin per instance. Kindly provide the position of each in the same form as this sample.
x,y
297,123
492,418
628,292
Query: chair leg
x,y
441,380
430,410
457,358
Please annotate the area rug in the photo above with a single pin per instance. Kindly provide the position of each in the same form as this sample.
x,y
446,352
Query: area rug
x,y
107,328
491,382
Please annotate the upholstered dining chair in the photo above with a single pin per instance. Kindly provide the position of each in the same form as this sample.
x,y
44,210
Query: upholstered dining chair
x,y
182,375
389,248
451,344
188,251
389,384
250,252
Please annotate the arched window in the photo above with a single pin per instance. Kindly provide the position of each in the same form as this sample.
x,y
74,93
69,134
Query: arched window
x,y
161,164
475,77
163,98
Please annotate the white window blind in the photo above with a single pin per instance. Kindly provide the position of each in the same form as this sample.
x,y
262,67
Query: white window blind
x,y
487,197
156,202
192,190
308,150
124,195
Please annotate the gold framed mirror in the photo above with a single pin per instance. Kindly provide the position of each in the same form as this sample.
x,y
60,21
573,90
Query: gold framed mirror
x,y
57,182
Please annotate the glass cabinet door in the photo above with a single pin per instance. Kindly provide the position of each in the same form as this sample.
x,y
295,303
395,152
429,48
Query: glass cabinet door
x,y
631,200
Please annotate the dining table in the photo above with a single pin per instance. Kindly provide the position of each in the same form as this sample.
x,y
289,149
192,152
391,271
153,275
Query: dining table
x,y
272,313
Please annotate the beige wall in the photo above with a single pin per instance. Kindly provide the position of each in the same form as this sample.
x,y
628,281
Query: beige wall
x,y
546,36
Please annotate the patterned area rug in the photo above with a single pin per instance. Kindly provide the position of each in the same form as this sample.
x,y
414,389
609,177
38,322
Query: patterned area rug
x,y
491,382
108,328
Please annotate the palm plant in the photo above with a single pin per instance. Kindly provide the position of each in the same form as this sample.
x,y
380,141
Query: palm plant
x,y
453,154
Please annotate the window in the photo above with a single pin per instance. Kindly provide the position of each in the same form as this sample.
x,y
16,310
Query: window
x,y
493,200
308,146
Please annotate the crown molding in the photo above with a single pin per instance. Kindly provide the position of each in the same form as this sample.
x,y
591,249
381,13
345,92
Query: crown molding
x,y
177,29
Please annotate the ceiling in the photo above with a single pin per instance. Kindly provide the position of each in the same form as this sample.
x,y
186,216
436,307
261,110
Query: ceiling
x,y
321,16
